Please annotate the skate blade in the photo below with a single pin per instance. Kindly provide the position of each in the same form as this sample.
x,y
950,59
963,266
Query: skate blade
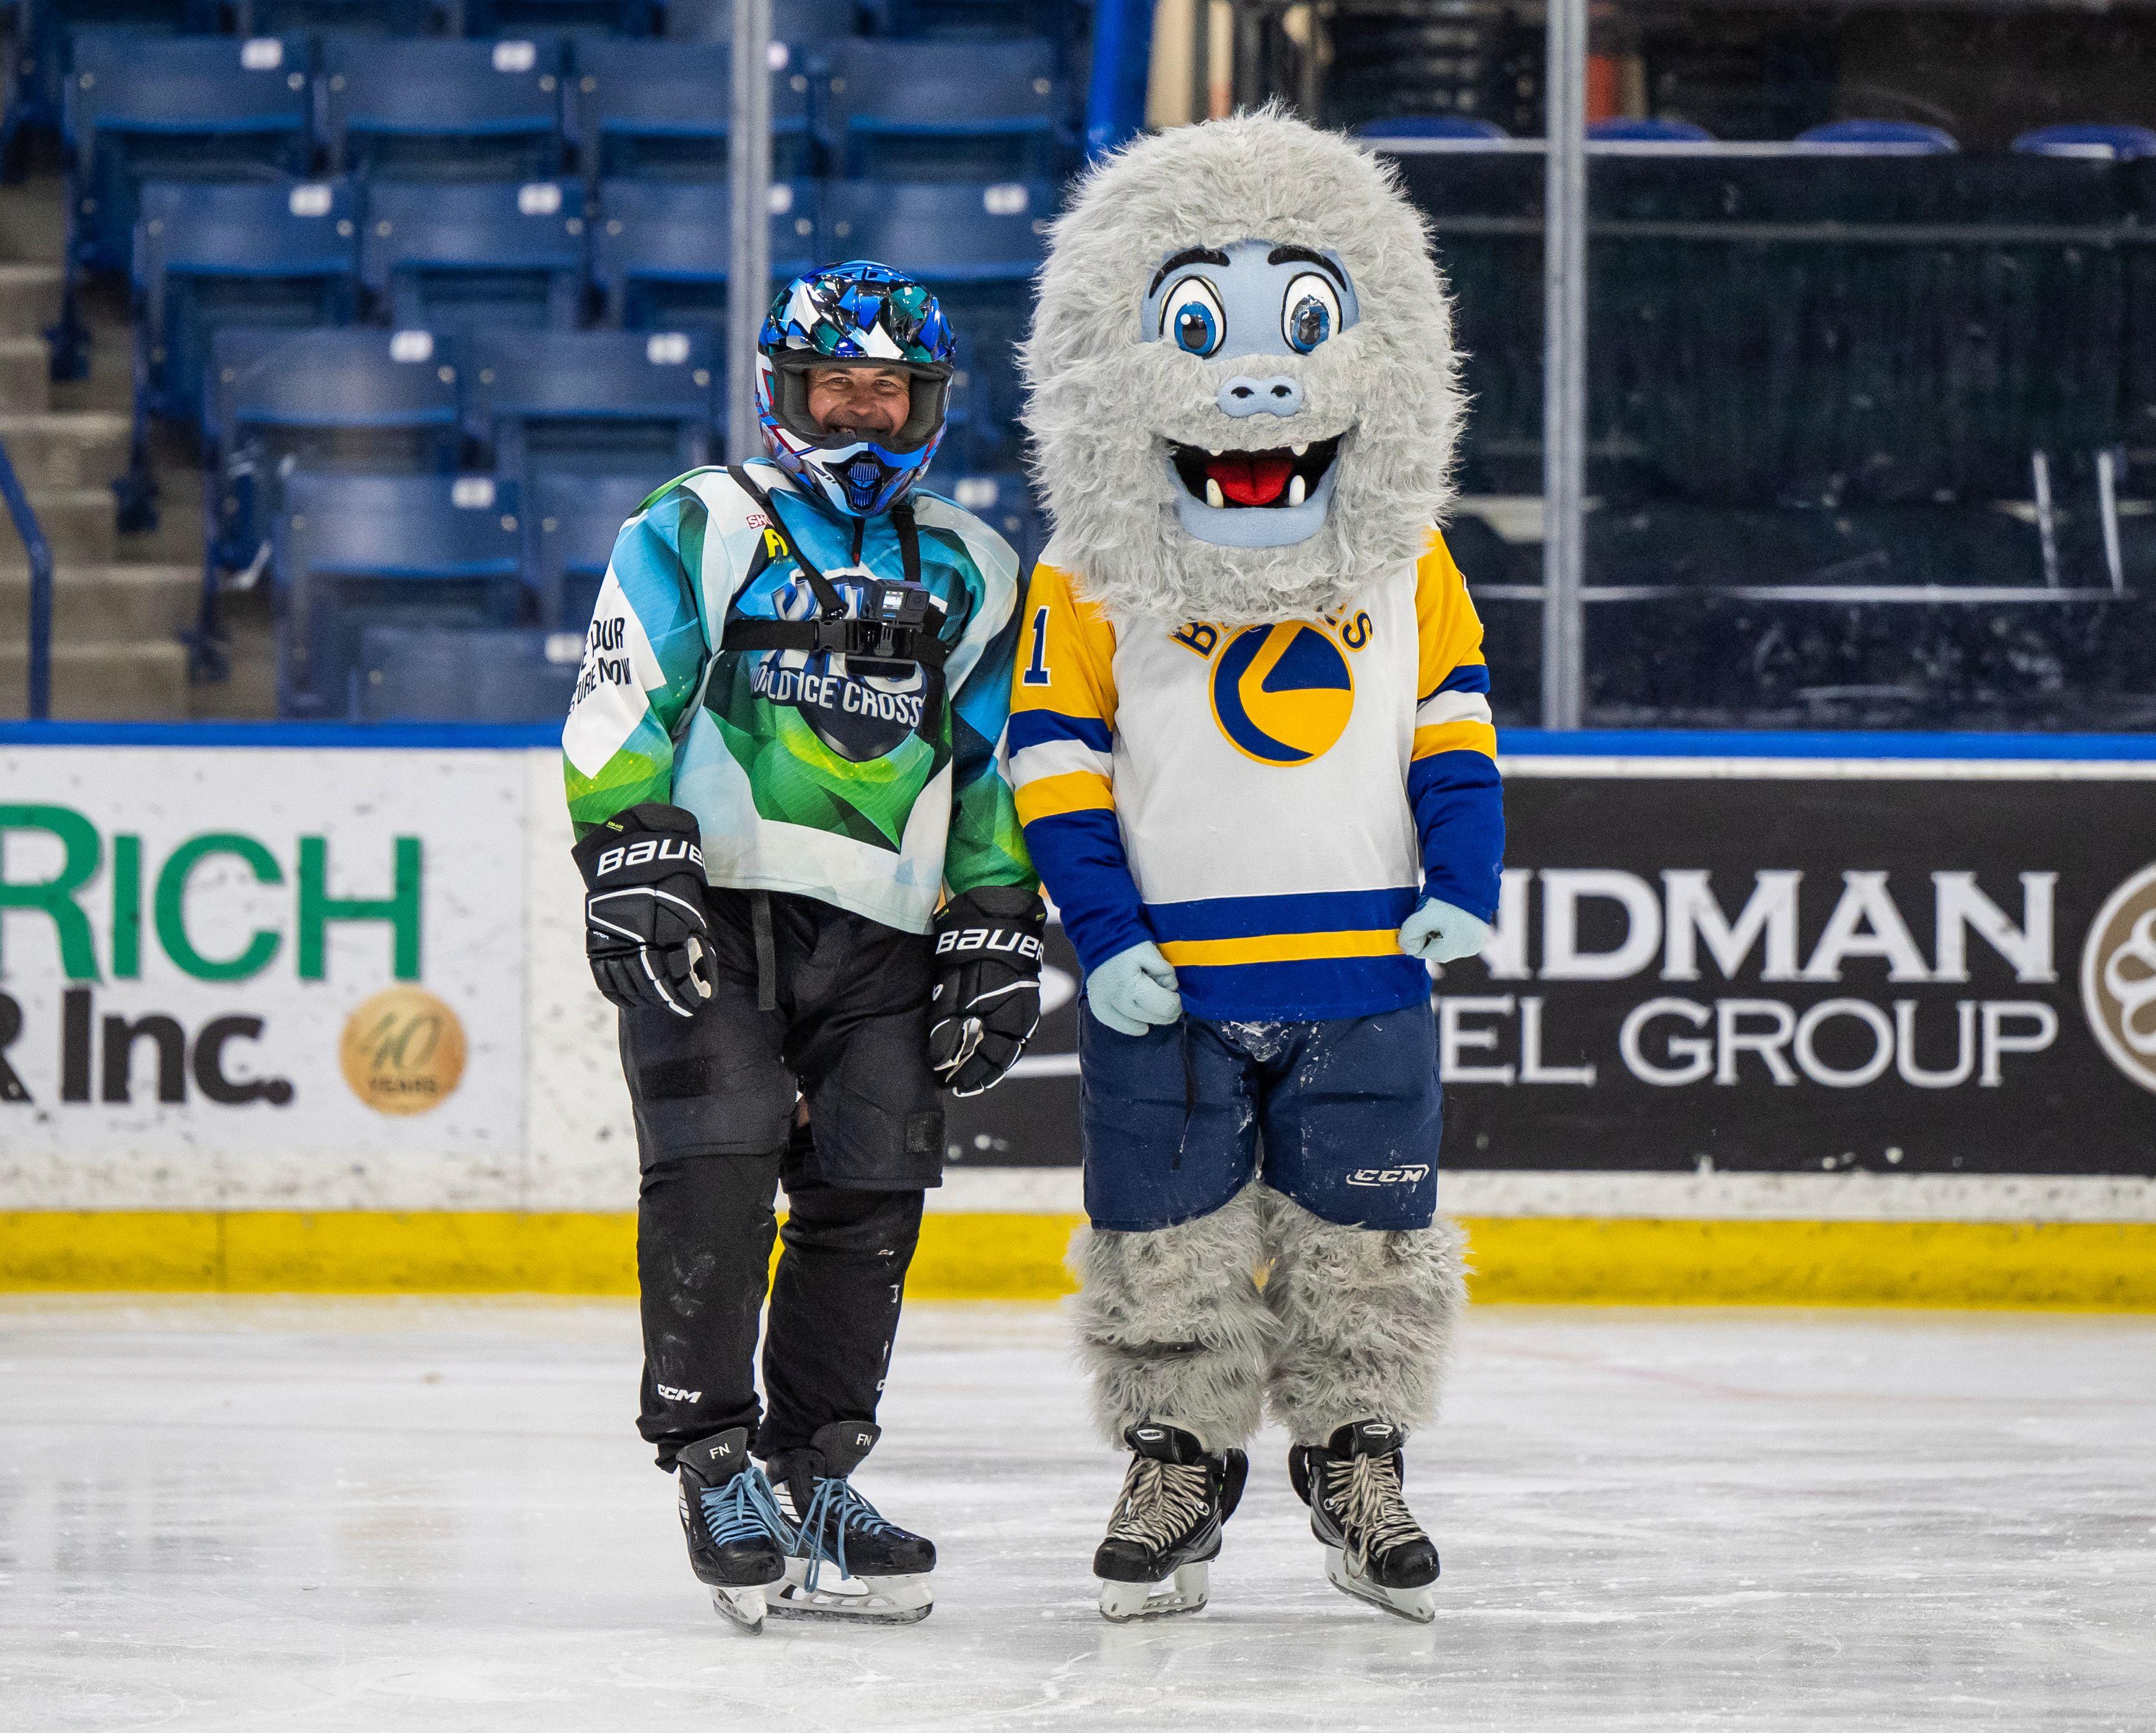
x,y
1417,1605
1125,1602
860,1600
744,1609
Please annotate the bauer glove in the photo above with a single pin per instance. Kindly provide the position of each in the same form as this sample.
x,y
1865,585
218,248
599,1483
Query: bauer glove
x,y
645,930
988,985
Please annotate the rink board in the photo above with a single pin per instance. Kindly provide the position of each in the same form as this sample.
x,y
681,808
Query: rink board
x,y
1836,1018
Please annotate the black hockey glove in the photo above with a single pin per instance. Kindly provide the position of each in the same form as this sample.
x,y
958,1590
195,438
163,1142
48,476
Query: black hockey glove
x,y
988,985
645,930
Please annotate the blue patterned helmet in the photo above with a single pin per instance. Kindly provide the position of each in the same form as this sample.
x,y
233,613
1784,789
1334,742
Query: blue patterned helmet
x,y
859,314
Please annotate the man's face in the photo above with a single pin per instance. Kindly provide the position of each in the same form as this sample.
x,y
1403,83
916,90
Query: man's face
x,y
859,403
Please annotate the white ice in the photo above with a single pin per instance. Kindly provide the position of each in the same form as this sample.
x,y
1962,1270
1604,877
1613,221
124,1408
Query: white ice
x,y
421,1515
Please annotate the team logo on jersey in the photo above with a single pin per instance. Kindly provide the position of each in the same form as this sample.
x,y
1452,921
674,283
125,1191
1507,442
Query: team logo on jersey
x,y
1282,694
862,710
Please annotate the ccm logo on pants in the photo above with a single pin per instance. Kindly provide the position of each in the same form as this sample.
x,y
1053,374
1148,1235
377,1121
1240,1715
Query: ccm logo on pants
x,y
1414,1174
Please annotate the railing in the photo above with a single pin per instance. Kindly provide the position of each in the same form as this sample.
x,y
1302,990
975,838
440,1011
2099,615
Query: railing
x,y
40,557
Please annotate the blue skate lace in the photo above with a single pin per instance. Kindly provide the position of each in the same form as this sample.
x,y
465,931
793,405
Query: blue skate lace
x,y
836,1504
745,1509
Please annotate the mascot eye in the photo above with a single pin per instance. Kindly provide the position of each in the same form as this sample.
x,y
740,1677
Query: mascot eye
x,y
1310,313
1192,316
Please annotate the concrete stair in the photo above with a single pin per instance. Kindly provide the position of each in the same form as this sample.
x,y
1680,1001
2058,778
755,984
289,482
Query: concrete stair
x,y
119,603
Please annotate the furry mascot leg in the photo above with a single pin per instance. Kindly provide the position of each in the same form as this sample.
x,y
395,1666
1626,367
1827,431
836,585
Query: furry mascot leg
x,y
1172,1327
1366,1321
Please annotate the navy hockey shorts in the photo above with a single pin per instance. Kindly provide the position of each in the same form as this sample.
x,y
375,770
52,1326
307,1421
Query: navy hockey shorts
x,y
1343,1116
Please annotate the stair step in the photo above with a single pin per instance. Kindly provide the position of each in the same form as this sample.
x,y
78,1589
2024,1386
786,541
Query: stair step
x,y
101,682
78,525
106,604
34,220
29,297
54,449
26,376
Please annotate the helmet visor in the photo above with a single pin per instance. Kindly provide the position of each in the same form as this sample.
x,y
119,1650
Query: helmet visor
x,y
930,385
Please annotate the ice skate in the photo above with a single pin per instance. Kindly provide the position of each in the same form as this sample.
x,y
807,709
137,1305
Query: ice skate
x,y
848,1560
1166,1528
738,1537
1374,1549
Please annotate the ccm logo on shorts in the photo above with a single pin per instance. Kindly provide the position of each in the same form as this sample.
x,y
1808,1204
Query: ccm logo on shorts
x,y
987,938
633,854
1414,1174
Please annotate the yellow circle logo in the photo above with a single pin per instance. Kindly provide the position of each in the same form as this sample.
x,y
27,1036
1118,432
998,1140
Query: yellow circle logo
x,y
2118,977
1282,694
403,1051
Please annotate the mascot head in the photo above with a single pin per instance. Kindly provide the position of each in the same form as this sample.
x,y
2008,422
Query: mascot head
x,y
1242,389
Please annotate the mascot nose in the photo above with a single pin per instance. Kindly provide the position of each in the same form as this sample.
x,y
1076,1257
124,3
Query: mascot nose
x,y
1243,395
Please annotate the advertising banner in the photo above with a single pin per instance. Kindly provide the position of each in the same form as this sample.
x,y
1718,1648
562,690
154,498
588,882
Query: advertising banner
x,y
1779,967
243,975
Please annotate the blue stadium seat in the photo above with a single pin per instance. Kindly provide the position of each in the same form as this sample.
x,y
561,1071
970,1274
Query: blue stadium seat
x,y
1648,132
439,254
919,112
573,521
37,62
1879,138
652,109
350,551
1437,126
1003,503
452,110
978,247
507,18
2120,144
661,249
805,24
141,108
470,673
593,402
354,398
278,253
375,17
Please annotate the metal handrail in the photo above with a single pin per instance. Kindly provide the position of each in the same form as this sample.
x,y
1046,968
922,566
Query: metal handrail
x,y
40,556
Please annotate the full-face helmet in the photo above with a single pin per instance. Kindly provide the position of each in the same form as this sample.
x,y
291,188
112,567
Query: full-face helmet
x,y
857,314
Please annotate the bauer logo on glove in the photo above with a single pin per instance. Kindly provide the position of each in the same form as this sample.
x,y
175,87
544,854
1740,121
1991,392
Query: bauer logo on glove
x,y
987,1002
647,934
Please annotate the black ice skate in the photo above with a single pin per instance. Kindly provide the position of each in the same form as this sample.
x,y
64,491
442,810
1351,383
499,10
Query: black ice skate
x,y
738,1537
1166,1528
1374,1549
847,1561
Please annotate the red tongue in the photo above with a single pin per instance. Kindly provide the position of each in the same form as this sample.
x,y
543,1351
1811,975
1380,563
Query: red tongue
x,y
1251,479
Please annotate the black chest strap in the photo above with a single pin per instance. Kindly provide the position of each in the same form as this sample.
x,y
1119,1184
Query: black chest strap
x,y
895,626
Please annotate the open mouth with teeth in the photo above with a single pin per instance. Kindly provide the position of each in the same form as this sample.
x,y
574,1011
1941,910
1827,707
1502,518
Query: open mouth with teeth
x,y
1273,480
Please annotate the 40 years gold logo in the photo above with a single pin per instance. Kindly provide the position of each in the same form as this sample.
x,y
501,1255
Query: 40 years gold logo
x,y
2118,977
403,1051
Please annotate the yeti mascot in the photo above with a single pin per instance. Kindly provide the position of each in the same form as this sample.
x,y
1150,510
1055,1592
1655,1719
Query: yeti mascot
x,y
1251,741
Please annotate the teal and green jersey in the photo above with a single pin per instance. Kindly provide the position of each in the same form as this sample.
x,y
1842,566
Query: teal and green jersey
x,y
868,785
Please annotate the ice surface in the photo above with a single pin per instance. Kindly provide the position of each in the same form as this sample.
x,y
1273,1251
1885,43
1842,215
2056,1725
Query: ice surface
x,y
421,1515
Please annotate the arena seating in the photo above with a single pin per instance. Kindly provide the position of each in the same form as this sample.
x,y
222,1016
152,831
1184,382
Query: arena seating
x,y
451,253
572,524
477,674
916,111
591,402
652,109
662,250
352,551
464,110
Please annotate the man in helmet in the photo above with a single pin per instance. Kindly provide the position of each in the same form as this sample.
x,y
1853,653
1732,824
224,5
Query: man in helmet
x,y
807,893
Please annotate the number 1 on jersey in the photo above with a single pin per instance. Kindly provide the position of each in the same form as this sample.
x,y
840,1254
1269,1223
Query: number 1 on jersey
x,y
1036,672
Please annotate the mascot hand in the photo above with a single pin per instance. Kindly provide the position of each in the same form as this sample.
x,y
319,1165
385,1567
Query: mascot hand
x,y
1134,989
1439,933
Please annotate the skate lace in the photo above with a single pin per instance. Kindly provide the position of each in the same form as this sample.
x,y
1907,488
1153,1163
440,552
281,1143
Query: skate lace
x,y
1160,1503
836,1507
745,1509
1366,1491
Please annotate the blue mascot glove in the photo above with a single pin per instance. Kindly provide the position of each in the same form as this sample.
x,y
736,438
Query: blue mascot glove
x,y
1439,933
1134,989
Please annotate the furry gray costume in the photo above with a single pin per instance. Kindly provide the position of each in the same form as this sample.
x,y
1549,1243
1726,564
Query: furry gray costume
x,y
1243,400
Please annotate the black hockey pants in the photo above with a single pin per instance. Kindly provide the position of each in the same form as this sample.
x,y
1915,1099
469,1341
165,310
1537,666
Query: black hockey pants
x,y
806,992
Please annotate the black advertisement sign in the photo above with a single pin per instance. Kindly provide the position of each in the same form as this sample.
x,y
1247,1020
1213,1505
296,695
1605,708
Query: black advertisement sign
x,y
1887,971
